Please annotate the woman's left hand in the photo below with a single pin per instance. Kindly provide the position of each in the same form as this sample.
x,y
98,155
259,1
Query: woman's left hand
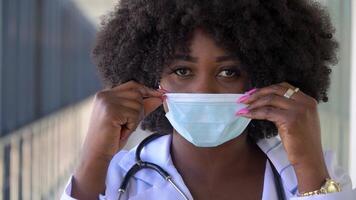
x,y
297,121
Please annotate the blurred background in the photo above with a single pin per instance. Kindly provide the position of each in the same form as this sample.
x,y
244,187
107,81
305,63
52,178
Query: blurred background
x,y
47,83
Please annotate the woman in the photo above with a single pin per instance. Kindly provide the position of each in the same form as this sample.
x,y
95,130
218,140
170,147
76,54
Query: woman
x,y
262,64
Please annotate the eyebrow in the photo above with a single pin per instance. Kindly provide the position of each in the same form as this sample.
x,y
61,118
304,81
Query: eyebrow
x,y
226,58
194,59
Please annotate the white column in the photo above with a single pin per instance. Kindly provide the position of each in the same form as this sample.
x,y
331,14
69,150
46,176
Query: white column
x,y
352,152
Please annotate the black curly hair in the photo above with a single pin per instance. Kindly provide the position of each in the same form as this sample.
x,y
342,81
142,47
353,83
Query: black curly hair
x,y
276,41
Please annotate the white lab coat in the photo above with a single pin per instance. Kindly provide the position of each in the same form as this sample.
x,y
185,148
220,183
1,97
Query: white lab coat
x,y
148,185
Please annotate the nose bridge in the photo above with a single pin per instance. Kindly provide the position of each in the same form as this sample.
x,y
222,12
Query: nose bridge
x,y
205,83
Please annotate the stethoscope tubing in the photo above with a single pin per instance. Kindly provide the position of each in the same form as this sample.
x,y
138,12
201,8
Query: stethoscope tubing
x,y
165,175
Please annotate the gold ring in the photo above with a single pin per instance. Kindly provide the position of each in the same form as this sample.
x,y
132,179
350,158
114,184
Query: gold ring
x,y
290,93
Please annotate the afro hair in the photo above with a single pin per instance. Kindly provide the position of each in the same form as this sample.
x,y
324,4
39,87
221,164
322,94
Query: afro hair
x,y
276,40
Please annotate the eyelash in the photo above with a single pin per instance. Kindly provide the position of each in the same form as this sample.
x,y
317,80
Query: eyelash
x,y
236,72
179,68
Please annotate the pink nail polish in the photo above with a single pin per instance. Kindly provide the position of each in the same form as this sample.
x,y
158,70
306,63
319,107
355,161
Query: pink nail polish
x,y
165,90
250,92
242,111
161,90
163,97
243,98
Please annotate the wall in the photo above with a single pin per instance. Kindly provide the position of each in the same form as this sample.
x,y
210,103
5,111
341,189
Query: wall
x,y
46,62
352,149
335,115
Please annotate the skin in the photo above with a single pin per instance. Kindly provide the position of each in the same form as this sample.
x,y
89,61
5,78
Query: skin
x,y
235,168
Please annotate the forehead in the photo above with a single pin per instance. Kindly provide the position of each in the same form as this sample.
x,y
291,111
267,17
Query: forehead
x,y
190,58
201,44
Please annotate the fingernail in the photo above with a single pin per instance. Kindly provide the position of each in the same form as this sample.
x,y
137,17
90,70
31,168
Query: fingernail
x,y
161,90
243,98
242,111
163,97
250,92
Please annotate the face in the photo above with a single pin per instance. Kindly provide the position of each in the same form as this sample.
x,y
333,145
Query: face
x,y
207,69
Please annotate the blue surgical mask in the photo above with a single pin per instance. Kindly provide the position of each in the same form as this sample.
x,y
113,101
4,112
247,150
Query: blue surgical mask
x,y
206,120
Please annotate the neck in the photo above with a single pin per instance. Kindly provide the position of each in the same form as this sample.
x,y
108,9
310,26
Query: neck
x,y
235,156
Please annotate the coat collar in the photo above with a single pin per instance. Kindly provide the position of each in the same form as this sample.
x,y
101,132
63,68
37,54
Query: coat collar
x,y
158,152
275,151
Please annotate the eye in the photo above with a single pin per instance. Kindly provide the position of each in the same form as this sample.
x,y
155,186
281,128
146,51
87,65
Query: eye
x,y
182,71
229,73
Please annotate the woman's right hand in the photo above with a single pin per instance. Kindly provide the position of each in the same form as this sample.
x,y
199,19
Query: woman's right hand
x,y
116,114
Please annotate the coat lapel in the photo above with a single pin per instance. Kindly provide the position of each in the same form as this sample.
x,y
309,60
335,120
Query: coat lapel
x,y
275,151
158,152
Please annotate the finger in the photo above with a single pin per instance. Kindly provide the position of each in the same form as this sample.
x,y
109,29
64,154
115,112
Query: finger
x,y
131,125
287,85
129,94
134,95
129,103
151,104
134,118
144,90
127,85
132,100
276,89
126,131
300,95
122,115
128,122
272,100
265,113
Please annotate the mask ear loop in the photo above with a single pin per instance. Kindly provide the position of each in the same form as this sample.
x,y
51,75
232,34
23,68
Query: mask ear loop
x,y
159,84
160,87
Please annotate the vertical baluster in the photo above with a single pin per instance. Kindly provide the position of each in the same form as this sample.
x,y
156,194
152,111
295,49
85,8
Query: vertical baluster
x,y
35,163
56,152
26,165
50,177
2,166
14,169
44,158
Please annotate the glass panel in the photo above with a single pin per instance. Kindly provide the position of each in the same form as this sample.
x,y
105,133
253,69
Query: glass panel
x,y
335,115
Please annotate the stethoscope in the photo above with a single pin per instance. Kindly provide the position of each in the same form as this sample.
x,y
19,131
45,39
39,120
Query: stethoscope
x,y
140,164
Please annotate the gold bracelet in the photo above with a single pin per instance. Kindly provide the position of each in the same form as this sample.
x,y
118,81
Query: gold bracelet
x,y
329,186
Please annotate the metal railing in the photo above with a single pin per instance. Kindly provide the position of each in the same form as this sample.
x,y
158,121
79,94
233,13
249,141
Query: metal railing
x,y
37,160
